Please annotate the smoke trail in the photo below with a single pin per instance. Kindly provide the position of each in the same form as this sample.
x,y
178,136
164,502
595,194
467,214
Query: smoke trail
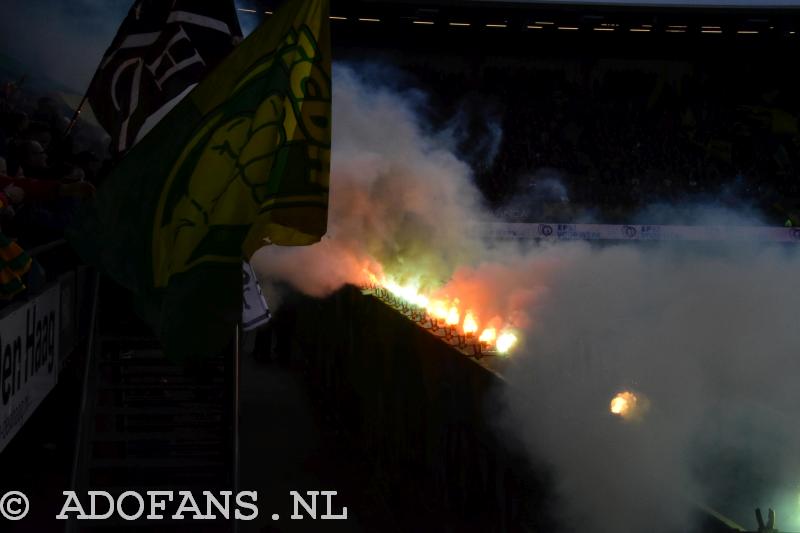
x,y
706,334
398,196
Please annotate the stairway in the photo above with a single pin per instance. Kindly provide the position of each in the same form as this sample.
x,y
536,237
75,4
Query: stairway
x,y
152,424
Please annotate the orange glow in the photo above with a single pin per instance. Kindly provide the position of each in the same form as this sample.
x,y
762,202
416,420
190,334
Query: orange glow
x,y
470,325
438,309
372,277
488,335
443,306
624,404
453,316
505,342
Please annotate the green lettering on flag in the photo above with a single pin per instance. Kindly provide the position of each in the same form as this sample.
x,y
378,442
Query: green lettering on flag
x,y
241,162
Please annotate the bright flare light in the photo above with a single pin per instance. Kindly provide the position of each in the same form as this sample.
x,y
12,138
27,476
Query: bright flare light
x,y
488,336
407,293
453,316
505,342
624,404
438,309
447,310
470,325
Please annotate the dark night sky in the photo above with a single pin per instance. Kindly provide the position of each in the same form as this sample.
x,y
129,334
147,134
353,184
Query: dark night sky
x,y
61,39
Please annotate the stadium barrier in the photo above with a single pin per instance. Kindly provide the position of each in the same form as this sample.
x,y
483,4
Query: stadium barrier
x,y
38,334
425,416
638,232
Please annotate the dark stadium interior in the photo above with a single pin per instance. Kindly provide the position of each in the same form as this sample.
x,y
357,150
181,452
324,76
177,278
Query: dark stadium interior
x,y
673,105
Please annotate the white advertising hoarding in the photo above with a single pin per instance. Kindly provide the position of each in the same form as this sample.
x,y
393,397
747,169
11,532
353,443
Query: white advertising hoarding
x,y
637,232
29,341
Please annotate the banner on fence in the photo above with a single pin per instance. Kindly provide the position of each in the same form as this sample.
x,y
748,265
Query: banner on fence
x,y
29,347
638,232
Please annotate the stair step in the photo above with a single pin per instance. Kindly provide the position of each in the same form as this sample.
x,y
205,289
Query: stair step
x,y
105,385
119,437
155,423
189,409
167,463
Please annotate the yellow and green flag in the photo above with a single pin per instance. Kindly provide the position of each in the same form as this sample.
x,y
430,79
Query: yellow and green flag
x,y
241,162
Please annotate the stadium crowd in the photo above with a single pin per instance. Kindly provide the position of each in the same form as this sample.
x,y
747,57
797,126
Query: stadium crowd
x,y
43,178
618,136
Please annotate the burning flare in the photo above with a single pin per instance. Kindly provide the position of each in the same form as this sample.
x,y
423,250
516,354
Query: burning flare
x,y
453,316
470,325
624,404
488,336
505,342
447,310
438,310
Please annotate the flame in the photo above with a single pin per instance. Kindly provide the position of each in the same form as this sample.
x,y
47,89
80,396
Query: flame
x,y
624,404
438,309
453,316
488,335
408,293
505,342
372,277
447,309
470,326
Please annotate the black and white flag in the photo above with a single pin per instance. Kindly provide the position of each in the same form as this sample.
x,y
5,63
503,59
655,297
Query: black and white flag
x,y
162,50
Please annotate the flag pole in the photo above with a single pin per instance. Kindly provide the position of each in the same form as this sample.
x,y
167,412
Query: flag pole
x,y
76,115
236,458
89,361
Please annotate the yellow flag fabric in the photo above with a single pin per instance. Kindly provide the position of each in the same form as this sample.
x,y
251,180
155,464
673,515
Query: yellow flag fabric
x,y
241,162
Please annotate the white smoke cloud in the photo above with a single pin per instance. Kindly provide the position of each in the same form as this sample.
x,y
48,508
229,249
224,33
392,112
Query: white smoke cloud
x,y
707,337
398,195
705,333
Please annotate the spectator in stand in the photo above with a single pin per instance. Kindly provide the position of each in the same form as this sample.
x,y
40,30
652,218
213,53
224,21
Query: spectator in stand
x,y
15,265
41,182
32,159
17,269
90,164
42,207
43,191
47,112
41,133
12,126
11,195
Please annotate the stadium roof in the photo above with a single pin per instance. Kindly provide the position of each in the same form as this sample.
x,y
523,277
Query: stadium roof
x,y
731,21
747,4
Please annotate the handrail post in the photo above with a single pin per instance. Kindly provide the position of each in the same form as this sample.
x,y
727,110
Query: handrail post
x,y
79,434
236,457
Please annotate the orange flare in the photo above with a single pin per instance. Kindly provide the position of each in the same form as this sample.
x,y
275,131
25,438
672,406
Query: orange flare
x,y
624,404
470,325
437,309
488,335
453,317
505,342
